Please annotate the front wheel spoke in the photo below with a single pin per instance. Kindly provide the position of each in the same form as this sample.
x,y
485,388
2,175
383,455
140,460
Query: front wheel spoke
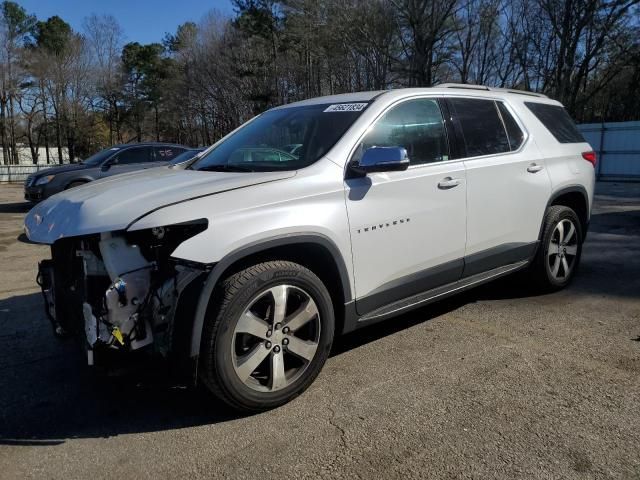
x,y
554,249
303,349
280,295
569,235
560,229
302,315
250,361
565,266
278,377
252,325
571,250
555,267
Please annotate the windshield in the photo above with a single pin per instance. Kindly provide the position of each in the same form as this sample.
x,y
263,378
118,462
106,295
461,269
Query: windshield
x,y
101,156
184,156
265,144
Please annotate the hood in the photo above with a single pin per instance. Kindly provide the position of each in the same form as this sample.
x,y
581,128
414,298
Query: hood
x,y
114,203
72,167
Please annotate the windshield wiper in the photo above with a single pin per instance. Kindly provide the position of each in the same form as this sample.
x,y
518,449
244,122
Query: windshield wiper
x,y
225,168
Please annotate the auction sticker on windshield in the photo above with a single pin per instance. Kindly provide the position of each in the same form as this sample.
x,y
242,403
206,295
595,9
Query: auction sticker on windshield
x,y
346,107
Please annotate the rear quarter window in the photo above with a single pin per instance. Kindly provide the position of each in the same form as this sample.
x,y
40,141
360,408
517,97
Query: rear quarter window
x,y
556,119
516,136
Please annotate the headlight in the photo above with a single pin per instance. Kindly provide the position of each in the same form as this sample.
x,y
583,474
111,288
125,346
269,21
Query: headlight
x,y
44,180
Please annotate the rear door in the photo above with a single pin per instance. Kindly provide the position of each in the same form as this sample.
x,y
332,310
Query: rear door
x,y
507,184
407,228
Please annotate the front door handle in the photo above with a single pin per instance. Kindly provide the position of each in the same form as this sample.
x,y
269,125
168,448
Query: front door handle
x,y
448,182
534,168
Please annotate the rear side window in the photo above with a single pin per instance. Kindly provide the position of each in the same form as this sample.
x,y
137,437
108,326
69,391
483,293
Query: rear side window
x,y
482,127
167,152
556,119
416,125
515,135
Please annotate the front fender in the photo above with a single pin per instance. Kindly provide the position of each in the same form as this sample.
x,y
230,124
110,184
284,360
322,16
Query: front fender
x,y
251,249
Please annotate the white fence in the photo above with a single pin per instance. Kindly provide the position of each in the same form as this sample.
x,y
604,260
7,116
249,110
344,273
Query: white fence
x,y
618,147
25,158
19,173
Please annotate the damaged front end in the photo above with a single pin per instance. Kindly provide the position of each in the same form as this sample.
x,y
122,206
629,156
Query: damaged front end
x,y
122,291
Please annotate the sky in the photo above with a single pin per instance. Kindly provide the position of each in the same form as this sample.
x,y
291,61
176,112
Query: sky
x,y
143,21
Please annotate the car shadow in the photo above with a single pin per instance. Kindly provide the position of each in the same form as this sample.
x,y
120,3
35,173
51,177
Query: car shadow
x,y
49,395
16,207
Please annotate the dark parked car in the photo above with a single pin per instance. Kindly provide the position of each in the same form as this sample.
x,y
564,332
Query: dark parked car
x,y
105,163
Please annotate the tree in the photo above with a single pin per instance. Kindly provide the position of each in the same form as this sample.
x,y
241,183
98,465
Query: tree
x,y
426,28
104,38
144,68
15,27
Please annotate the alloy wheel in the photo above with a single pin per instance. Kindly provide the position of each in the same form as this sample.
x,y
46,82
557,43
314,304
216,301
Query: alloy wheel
x,y
563,249
276,338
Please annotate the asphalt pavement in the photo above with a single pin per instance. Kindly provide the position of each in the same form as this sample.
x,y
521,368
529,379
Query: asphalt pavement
x,y
495,383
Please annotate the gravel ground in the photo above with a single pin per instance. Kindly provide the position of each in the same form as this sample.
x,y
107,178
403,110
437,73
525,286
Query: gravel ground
x,y
494,383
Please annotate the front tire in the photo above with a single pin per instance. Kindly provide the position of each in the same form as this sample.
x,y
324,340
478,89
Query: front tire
x,y
267,335
558,255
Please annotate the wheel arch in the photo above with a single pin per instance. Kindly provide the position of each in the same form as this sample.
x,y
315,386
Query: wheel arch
x,y
314,251
77,180
576,198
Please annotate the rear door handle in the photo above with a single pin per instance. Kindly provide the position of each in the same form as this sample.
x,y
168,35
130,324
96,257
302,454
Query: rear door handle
x,y
534,167
448,182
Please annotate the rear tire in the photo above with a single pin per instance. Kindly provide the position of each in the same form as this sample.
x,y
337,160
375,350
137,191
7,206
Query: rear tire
x,y
560,248
267,335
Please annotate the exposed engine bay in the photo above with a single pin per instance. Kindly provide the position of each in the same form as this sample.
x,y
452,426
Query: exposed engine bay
x,y
120,290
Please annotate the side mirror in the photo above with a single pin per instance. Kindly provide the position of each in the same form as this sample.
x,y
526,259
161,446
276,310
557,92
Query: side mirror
x,y
382,159
108,164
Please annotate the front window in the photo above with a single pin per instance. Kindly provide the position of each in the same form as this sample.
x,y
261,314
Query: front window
x,y
133,155
283,139
416,125
101,156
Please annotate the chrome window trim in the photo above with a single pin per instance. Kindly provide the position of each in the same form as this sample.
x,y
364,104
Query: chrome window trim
x,y
436,96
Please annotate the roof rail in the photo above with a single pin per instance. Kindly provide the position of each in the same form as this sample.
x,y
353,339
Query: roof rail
x,y
467,86
522,92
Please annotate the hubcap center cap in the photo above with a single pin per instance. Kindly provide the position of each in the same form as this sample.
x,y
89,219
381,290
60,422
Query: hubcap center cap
x,y
277,336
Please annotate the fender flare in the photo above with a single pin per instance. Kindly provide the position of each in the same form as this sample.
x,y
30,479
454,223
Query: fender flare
x,y
278,241
568,189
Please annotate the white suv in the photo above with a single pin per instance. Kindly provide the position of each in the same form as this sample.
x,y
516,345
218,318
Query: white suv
x,y
243,265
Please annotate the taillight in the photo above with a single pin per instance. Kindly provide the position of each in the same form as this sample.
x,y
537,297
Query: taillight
x,y
590,157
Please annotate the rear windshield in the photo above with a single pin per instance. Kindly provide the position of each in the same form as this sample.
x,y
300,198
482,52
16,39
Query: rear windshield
x,y
283,139
557,121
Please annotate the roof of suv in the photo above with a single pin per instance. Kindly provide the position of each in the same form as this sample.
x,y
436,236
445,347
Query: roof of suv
x,y
445,88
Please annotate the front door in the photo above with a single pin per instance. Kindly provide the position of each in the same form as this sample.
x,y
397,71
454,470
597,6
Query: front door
x,y
408,228
129,160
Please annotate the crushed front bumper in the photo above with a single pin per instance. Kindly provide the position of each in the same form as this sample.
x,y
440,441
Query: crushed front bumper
x,y
105,292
